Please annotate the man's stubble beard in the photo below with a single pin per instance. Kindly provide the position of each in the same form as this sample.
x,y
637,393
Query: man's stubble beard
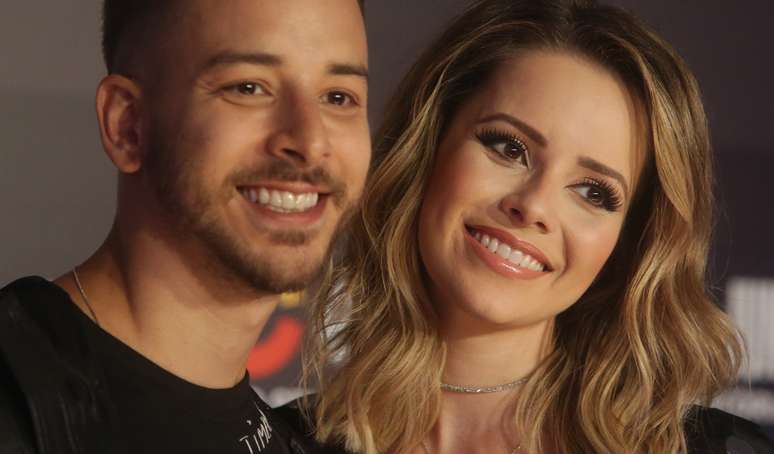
x,y
192,210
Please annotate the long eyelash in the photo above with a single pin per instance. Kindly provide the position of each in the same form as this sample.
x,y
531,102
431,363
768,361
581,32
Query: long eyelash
x,y
488,137
613,199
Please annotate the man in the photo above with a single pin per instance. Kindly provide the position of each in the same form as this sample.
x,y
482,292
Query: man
x,y
240,134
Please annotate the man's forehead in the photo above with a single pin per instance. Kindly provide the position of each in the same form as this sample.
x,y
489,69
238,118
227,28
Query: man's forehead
x,y
316,24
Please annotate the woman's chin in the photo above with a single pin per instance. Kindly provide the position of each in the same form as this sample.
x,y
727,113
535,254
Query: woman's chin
x,y
480,317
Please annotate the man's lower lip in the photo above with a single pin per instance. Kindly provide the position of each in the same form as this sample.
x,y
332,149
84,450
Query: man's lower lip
x,y
499,264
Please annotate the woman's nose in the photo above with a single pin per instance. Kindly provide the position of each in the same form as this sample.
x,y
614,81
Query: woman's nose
x,y
531,205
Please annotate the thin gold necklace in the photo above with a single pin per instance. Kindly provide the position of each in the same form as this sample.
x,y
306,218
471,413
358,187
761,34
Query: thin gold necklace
x,y
83,295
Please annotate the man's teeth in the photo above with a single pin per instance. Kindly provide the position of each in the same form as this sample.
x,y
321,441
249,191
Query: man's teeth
x,y
514,256
282,201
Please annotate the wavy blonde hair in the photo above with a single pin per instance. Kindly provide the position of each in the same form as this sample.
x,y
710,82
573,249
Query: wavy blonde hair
x,y
644,342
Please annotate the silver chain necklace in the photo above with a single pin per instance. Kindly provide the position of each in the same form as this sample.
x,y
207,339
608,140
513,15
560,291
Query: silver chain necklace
x,y
479,390
482,389
83,295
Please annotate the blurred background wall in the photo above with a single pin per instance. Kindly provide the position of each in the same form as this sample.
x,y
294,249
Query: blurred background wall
x,y
57,188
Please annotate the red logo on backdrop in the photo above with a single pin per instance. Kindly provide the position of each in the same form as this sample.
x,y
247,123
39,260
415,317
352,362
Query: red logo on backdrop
x,y
279,347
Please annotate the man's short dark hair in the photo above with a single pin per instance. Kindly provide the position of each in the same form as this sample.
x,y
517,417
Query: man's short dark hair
x,y
138,22
130,21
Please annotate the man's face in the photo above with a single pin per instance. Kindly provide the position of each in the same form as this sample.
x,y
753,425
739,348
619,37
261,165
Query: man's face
x,y
258,143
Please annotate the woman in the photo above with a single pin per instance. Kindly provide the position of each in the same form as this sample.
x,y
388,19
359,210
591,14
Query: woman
x,y
527,273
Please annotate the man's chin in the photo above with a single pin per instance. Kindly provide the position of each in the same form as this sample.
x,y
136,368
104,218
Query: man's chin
x,y
275,261
274,268
287,279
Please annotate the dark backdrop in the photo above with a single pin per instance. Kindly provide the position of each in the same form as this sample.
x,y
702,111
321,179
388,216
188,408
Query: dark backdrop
x,y
57,189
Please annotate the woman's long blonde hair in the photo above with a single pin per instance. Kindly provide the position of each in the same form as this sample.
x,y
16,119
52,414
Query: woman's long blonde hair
x,y
642,345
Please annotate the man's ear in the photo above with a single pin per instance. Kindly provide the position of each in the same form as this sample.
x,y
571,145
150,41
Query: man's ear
x,y
119,102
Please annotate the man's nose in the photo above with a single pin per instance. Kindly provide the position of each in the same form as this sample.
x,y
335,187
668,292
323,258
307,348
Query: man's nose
x,y
300,136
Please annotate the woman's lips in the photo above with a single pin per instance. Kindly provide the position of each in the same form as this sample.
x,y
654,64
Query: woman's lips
x,y
506,254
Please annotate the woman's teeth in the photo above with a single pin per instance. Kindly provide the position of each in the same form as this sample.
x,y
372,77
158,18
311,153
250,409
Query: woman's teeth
x,y
514,256
281,201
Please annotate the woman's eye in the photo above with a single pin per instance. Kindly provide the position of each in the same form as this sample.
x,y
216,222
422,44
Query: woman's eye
x,y
506,145
338,98
599,194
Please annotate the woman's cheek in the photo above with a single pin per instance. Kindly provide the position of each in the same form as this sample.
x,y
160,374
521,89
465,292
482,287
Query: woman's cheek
x,y
594,244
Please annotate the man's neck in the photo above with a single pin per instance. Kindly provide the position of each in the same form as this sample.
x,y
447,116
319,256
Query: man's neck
x,y
151,299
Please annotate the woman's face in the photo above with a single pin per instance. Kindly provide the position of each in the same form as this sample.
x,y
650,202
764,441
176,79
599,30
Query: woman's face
x,y
529,191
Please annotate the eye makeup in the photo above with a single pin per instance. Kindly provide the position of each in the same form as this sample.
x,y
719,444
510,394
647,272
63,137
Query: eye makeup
x,y
507,145
599,193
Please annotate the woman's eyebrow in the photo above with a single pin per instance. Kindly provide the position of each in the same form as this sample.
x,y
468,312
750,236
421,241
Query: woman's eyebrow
x,y
537,137
530,131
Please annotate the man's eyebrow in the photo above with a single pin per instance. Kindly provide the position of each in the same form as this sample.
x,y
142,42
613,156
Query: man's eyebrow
x,y
230,58
533,133
345,69
267,59
596,166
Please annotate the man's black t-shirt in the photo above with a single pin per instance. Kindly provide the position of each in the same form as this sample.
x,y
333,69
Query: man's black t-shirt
x,y
163,413
157,411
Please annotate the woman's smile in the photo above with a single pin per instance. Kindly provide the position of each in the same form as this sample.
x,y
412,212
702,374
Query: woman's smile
x,y
506,254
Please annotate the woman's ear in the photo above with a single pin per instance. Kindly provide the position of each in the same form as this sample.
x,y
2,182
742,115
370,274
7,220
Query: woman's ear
x,y
119,102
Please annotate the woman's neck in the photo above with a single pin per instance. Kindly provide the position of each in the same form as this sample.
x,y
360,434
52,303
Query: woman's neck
x,y
477,357
483,354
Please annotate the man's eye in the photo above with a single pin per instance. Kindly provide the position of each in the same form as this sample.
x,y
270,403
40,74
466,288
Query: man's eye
x,y
247,88
505,145
339,98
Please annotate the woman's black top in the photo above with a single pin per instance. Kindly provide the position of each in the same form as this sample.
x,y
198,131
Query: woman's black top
x,y
709,431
